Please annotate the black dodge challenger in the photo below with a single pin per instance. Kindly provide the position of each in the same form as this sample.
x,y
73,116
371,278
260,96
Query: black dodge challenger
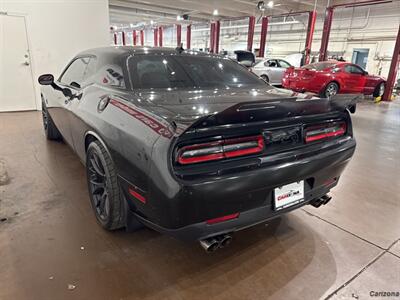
x,y
192,144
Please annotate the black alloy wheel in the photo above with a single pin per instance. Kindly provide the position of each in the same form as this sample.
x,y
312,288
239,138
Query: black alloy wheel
x,y
50,128
104,192
98,186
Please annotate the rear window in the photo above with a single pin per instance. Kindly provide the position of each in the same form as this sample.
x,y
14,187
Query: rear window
x,y
319,66
184,71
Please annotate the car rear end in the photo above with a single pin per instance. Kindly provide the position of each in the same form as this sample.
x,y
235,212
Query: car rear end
x,y
310,78
246,165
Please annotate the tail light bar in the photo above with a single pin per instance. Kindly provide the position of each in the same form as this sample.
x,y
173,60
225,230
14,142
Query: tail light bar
x,y
221,149
323,131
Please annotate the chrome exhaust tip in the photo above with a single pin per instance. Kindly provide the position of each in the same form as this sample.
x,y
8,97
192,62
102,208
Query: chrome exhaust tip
x,y
224,240
321,201
210,244
213,243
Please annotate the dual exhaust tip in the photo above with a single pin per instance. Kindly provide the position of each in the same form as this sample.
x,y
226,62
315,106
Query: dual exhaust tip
x,y
213,243
220,241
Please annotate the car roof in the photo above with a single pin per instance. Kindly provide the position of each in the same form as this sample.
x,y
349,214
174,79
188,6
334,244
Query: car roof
x,y
141,50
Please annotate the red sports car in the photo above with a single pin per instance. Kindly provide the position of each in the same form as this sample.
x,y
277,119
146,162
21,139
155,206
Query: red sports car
x,y
329,78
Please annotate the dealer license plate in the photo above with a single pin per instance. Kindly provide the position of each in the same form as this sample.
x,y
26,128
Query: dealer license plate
x,y
289,195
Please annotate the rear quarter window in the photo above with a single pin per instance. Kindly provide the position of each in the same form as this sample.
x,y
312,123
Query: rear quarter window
x,y
110,75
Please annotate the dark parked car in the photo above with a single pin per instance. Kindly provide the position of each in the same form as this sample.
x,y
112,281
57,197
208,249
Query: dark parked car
x,y
191,144
246,58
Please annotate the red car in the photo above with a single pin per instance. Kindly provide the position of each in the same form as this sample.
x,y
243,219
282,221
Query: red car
x,y
329,78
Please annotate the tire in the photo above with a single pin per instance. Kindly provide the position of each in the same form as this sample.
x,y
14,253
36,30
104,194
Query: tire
x,y
379,90
105,194
330,90
265,78
50,128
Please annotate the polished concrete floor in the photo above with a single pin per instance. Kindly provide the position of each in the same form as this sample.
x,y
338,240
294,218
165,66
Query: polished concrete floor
x,y
52,248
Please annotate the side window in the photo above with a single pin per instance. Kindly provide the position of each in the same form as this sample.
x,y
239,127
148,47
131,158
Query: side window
x,y
348,69
272,63
284,64
357,70
90,70
353,69
74,75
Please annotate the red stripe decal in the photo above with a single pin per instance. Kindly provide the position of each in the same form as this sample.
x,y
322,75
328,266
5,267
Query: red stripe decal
x,y
137,195
145,119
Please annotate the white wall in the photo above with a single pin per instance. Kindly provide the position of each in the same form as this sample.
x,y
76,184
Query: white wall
x,y
59,29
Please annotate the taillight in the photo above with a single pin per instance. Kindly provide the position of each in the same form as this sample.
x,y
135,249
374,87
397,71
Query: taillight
x,y
220,149
323,131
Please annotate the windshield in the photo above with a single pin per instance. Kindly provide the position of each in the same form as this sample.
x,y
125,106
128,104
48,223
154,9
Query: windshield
x,y
182,71
319,66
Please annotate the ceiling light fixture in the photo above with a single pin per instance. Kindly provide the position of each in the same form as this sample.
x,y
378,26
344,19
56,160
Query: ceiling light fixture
x,y
151,22
215,12
261,5
179,18
270,4
131,25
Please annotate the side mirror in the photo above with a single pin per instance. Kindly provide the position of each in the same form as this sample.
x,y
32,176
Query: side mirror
x,y
365,73
46,79
67,92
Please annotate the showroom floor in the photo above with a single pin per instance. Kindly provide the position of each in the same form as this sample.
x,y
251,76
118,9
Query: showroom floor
x,y
52,248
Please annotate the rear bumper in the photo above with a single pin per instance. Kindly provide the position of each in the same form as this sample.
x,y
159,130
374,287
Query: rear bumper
x,y
251,193
301,86
202,230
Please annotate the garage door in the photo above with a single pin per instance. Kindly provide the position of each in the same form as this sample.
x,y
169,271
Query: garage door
x,y
16,81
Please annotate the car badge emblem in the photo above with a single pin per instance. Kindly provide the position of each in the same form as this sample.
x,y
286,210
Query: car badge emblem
x,y
103,103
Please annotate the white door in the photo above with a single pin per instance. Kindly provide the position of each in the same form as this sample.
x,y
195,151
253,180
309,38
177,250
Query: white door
x,y
16,81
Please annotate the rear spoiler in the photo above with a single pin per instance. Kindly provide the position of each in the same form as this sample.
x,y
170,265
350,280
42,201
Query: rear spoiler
x,y
346,101
253,111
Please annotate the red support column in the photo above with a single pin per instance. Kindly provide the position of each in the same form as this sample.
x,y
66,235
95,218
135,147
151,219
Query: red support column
x,y
212,37
160,36
312,17
217,30
264,30
178,35
155,37
394,67
115,38
134,37
142,37
323,52
250,33
188,36
123,38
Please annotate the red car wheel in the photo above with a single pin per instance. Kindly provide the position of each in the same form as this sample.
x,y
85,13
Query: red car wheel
x,y
330,90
